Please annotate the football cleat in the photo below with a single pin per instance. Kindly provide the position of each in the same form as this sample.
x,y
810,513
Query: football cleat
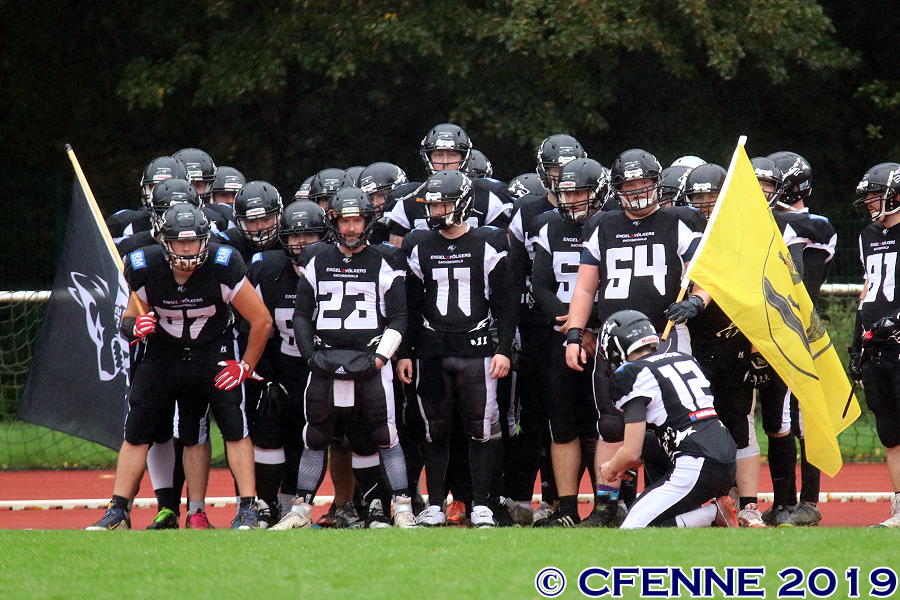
x,y
432,516
558,519
605,514
377,519
482,517
267,514
778,516
164,519
114,518
894,520
198,520
544,510
805,514
749,516
726,515
346,517
403,515
247,517
520,515
327,520
297,518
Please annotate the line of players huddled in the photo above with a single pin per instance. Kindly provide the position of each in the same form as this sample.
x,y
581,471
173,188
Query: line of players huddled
x,y
479,331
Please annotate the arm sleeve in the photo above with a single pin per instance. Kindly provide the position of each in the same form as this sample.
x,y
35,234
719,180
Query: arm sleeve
x,y
636,410
543,283
504,304
415,294
395,305
815,270
304,307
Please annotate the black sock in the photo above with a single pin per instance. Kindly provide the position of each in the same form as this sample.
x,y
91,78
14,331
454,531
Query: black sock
x,y
119,502
367,479
745,500
246,501
568,505
268,480
481,461
810,477
782,465
436,456
166,498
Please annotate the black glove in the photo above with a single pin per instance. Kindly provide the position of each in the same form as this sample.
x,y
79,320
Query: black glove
x,y
679,312
759,372
854,364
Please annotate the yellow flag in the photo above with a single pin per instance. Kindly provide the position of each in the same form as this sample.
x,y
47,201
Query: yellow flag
x,y
743,263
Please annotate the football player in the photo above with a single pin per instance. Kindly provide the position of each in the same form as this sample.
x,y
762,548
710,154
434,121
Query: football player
x,y
876,338
125,223
378,180
201,172
257,207
460,282
186,287
349,319
667,393
228,183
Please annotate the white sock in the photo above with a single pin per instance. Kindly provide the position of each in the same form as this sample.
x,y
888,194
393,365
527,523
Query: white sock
x,y
699,517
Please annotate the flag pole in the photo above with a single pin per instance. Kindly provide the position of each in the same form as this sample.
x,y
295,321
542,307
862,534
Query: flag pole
x,y
98,218
686,280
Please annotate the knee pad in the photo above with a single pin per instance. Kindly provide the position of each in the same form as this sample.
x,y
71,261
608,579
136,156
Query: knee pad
x,y
611,428
315,438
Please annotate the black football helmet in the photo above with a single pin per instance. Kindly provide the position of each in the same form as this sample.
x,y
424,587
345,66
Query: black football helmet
x,y
257,199
705,179
688,160
350,202
767,172
351,175
671,185
184,222
632,165
881,182
200,169
228,181
302,216
578,175
302,192
555,152
167,193
447,186
159,169
796,179
325,184
381,177
479,165
625,332
445,136
526,183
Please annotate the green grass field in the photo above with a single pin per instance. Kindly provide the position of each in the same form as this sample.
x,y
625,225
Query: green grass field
x,y
400,564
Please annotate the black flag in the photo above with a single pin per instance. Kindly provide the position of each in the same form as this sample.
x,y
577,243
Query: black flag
x,y
78,382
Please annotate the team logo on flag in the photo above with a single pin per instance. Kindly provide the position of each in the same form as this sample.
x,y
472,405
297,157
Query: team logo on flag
x,y
92,293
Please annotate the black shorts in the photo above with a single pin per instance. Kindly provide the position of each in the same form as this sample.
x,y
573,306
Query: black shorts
x,y
610,422
881,381
733,397
367,402
178,382
775,406
567,395
280,427
462,384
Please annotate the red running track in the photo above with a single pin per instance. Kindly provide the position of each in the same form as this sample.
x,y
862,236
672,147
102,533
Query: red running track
x,y
49,485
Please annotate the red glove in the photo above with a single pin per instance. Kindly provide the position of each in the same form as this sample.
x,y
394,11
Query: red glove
x,y
144,325
234,374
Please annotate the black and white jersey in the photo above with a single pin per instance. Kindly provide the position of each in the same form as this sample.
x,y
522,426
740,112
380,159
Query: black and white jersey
x,y
125,223
232,237
129,244
677,405
274,277
557,247
457,287
488,208
878,248
350,300
641,262
521,252
816,240
193,313
225,215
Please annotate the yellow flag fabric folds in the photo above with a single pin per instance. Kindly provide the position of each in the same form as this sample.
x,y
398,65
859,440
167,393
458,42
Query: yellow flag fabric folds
x,y
743,263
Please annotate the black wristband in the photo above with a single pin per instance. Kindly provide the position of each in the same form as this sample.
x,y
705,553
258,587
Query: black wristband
x,y
384,359
127,327
574,335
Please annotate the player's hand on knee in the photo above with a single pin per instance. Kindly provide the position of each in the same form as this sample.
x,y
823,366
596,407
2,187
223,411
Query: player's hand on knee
x,y
499,366
144,325
405,370
233,374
